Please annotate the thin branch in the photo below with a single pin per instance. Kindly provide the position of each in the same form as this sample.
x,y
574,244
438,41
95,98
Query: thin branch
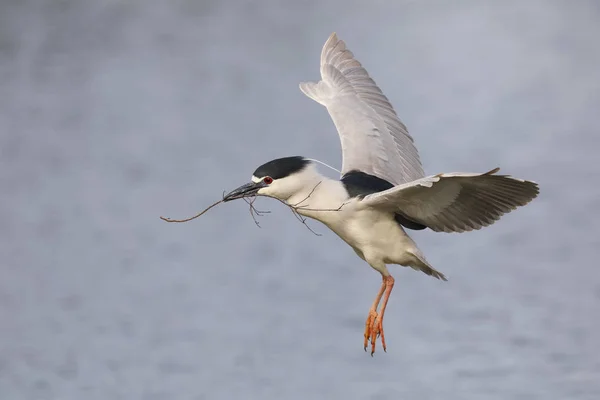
x,y
307,197
249,202
258,213
303,220
253,211
298,205
191,218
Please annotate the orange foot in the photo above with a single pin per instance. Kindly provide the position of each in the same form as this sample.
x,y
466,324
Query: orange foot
x,y
374,323
373,329
368,326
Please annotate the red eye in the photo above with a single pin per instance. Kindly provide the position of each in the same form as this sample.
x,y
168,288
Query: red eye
x,y
268,180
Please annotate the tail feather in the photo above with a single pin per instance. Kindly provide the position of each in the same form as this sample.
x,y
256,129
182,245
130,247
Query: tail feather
x,y
429,270
422,265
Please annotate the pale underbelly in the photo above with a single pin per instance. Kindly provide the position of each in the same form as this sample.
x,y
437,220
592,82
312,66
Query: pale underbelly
x,y
374,236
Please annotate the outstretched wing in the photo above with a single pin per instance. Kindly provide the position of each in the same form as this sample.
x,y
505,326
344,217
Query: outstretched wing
x,y
373,138
455,202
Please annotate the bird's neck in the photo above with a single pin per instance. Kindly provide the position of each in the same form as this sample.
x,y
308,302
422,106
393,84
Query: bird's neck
x,y
319,196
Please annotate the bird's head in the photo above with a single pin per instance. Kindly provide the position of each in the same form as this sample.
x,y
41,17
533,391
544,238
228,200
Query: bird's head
x,y
280,178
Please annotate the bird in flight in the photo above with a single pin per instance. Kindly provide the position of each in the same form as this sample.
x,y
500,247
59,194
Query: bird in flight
x,y
382,190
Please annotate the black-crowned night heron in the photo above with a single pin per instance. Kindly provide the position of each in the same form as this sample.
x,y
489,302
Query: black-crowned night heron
x,y
382,189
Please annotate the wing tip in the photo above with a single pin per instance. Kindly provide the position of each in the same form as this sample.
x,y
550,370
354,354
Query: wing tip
x,y
492,171
333,44
330,42
333,38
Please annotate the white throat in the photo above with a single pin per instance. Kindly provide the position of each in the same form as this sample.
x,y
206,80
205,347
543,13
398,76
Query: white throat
x,y
318,196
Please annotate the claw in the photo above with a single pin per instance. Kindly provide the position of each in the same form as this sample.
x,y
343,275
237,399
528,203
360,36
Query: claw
x,y
368,327
376,331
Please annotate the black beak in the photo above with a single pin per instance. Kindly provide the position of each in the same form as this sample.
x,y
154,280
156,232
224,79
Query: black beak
x,y
247,190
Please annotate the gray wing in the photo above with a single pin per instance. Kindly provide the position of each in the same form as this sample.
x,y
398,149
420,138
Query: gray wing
x,y
455,202
373,138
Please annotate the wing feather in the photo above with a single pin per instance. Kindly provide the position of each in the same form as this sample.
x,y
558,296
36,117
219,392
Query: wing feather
x,y
455,202
373,138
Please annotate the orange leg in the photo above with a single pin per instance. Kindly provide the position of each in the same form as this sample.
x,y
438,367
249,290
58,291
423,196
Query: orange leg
x,y
376,319
373,315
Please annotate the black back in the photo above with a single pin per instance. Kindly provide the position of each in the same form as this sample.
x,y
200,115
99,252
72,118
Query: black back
x,y
360,184
281,167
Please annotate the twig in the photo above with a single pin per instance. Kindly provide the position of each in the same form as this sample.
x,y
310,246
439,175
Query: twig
x,y
303,220
306,198
295,207
191,218
253,211
257,213
298,205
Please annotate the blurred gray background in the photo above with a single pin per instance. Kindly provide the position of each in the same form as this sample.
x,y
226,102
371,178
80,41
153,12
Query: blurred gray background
x,y
115,112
